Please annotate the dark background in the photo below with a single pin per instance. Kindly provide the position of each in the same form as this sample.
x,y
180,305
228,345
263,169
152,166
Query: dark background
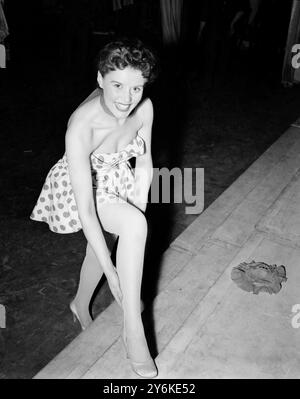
x,y
219,110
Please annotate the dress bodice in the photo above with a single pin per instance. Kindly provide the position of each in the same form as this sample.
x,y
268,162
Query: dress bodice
x,y
107,160
112,171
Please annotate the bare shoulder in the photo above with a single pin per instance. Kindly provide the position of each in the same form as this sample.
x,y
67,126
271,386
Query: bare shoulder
x,y
80,121
145,117
84,112
145,111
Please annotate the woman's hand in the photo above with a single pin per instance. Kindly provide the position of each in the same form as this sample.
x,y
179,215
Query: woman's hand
x,y
114,285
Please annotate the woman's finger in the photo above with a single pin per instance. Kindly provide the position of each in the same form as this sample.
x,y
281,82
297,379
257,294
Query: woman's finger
x,y
120,295
119,298
117,293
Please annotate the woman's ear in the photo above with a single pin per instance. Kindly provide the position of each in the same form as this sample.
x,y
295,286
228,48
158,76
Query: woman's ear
x,y
100,80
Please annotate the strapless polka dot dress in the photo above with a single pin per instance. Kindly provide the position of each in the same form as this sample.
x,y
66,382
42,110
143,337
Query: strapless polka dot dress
x,y
113,182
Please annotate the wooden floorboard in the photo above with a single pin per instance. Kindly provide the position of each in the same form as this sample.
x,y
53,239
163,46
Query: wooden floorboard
x,y
236,334
196,233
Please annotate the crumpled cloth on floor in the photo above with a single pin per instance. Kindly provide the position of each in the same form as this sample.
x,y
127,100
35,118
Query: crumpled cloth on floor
x,y
259,277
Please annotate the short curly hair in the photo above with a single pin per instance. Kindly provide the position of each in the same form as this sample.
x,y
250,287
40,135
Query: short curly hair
x,y
132,53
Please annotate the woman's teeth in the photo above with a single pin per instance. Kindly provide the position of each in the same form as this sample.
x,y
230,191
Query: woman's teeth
x,y
123,107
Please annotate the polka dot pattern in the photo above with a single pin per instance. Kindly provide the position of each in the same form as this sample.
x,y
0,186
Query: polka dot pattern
x,y
113,181
55,205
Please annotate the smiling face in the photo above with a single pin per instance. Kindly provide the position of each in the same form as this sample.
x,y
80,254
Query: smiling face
x,y
122,90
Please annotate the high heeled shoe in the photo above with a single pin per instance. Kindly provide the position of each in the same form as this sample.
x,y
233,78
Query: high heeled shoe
x,y
75,315
145,369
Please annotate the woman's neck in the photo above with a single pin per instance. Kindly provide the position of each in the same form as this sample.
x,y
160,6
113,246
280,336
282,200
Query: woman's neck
x,y
104,106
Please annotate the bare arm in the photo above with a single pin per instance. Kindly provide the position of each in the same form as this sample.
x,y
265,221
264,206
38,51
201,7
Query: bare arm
x,y
144,166
78,149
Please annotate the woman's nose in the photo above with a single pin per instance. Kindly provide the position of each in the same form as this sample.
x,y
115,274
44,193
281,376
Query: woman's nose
x,y
127,96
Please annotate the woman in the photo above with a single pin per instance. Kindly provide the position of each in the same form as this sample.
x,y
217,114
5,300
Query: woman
x,y
103,134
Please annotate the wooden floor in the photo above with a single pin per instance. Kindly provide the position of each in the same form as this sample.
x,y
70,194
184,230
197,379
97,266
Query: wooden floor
x,y
204,325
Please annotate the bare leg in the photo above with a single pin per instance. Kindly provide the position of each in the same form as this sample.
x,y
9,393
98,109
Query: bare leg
x,y
130,225
90,275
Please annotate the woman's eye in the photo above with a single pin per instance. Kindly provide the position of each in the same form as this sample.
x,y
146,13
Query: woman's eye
x,y
137,89
117,85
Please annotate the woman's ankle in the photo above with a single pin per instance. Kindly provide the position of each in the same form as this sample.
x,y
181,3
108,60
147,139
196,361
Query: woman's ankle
x,y
136,343
82,310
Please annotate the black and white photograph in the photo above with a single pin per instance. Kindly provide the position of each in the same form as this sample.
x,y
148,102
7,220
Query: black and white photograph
x,y
150,192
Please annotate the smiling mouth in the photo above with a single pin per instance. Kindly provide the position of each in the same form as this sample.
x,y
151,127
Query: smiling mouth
x,y
122,107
